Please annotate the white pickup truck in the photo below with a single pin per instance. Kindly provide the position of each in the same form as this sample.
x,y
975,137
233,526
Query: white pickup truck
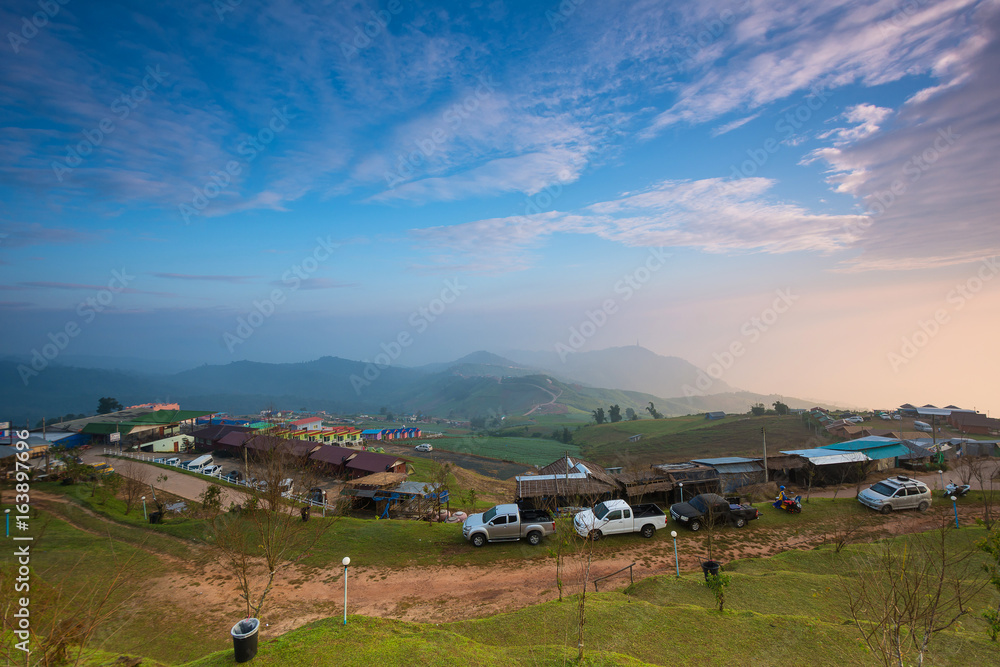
x,y
616,516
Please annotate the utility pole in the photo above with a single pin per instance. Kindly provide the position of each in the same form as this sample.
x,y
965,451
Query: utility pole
x,y
764,436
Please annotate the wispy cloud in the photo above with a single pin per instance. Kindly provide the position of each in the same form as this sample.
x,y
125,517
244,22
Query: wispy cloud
x,y
38,284
236,280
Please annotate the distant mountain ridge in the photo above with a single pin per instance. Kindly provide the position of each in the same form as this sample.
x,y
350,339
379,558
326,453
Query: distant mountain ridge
x,y
631,368
478,384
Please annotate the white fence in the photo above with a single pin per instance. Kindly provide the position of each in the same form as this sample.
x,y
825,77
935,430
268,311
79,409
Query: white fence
x,y
140,456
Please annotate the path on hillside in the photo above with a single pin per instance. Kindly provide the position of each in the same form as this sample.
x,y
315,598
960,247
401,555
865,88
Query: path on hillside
x,y
555,396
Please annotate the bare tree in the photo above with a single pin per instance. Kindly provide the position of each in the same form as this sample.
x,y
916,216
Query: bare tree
x,y
982,470
266,533
135,479
902,592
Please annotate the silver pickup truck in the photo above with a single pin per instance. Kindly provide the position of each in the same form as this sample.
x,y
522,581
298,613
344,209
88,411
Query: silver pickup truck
x,y
508,523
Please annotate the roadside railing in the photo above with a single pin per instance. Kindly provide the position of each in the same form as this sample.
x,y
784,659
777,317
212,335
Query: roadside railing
x,y
140,456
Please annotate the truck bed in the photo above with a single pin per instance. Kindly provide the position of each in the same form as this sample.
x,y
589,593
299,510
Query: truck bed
x,y
646,510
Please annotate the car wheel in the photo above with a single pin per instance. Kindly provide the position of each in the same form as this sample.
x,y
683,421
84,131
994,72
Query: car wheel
x,y
696,525
534,537
595,535
886,509
648,530
923,505
478,540
740,522
797,510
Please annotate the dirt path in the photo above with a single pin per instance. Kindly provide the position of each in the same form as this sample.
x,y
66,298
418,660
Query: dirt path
x,y
551,393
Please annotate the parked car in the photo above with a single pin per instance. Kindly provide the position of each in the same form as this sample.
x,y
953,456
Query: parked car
x,y
424,447
896,493
174,461
102,468
508,523
711,507
613,517
233,476
212,470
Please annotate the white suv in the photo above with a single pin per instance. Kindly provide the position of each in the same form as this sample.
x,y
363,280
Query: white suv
x,y
896,493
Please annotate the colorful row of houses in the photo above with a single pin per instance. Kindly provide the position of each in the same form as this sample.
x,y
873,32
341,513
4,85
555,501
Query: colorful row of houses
x,y
404,433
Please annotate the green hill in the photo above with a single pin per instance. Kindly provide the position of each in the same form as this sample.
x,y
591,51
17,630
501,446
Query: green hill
x,y
684,438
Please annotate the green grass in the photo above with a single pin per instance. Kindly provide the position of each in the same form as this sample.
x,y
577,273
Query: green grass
x,y
81,563
530,451
779,608
684,438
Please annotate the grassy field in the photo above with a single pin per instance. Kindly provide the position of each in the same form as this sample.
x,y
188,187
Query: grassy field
x,y
684,438
530,451
789,605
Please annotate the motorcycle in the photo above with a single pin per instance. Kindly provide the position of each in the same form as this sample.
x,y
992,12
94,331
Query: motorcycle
x,y
957,490
793,505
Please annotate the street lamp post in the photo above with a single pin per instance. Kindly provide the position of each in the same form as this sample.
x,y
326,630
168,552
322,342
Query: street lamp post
x,y
346,562
681,484
145,517
954,504
7,512
941,479
677,565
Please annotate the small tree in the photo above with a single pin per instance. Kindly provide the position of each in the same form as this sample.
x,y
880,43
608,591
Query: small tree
x,y
211,500
758,409
266,533
614,414
651,409
717,583
902,592
780,408
598,415
135,479
631,415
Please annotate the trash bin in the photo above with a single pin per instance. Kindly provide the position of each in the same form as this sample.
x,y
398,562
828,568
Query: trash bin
x,y
305,513
245,639
155,517
710,567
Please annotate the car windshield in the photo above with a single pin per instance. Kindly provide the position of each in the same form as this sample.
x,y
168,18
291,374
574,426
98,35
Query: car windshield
x,y
600,511
883,489
490,513
699,504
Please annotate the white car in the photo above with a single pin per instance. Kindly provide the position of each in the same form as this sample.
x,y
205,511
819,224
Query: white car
x,y
424,447
211,471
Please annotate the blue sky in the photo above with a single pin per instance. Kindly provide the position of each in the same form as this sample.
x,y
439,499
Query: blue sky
x,y
337,167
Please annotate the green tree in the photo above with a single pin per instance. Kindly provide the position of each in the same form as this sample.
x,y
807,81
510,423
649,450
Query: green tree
x,y
717,584
567,437
780,408
631,415
108,404
653,411
598,415
614,414
758,409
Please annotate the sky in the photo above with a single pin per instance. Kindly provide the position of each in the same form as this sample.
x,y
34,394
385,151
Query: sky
x,y
799,197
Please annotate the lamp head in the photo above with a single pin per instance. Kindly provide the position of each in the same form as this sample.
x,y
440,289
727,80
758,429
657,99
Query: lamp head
x,y
953,498
346,561
673,534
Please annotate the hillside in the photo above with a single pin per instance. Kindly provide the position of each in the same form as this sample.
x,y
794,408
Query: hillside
x,y
633,368
478,384
684,438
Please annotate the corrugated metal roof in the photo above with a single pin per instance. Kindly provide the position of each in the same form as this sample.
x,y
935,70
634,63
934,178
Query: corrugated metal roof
x,y
889,451
738,468
862,444
822,457
724,460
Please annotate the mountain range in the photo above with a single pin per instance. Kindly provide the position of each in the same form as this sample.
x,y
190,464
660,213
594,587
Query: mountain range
x,y
481,383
